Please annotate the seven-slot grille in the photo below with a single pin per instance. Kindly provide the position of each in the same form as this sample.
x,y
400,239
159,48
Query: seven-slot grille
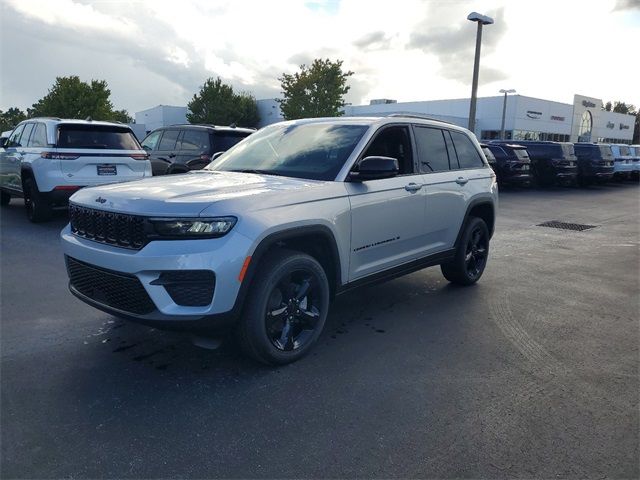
x,y
118,229
114,289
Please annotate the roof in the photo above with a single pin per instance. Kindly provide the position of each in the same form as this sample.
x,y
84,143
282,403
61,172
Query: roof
x,y
209,126
376,120
56,120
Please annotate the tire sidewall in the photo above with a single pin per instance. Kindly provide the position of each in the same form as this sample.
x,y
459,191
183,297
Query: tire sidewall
x,y
473,223
254,317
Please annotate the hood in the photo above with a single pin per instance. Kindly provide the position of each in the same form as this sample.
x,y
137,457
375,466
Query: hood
x,y
189,194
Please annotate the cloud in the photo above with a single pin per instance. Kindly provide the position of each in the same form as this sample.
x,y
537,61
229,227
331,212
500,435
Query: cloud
x,y
454,47
622,5
378,40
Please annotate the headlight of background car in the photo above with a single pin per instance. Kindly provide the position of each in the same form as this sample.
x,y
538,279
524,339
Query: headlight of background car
x,y
193,227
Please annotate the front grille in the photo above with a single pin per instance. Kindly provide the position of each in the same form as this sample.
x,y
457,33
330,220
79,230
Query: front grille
x,y
114,289
578,227
189,288
117,229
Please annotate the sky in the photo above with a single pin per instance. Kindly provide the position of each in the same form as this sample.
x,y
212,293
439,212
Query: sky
x,y
160,52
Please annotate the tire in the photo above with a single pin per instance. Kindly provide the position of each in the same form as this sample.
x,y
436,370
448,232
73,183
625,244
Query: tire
x,y
37,207
471,255
286,308
5,198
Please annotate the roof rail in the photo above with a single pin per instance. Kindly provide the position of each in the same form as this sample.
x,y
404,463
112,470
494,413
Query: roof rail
x,y
415,115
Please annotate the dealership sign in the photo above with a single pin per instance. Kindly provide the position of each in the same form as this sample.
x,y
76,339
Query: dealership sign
x,y
624,127
588,104
557,118
611,125
532,114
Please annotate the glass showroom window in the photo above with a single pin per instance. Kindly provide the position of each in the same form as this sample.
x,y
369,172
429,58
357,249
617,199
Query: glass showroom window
x,y
584,134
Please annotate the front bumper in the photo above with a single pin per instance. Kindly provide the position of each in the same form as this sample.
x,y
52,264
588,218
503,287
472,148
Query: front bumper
x,y
223,256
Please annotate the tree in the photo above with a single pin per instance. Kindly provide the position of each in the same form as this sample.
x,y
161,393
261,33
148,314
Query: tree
x,y
11,118
622,107
315,91
218,104
69,97
607,106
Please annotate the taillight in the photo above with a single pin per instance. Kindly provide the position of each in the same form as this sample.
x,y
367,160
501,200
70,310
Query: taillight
x,y
205,157
60,156
140,156
66,187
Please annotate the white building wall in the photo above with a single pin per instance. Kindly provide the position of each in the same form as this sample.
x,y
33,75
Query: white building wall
x,y
269,112
161,116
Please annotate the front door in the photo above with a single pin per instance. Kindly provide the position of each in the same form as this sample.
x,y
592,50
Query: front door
x,y
387,215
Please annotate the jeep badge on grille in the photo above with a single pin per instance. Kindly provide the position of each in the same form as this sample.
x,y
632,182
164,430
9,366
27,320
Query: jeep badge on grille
x,y
101,200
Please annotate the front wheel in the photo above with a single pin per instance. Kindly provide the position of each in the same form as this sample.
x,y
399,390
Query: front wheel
x,y
471,255
286,308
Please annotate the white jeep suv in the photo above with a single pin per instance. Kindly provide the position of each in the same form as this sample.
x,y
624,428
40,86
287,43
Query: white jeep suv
x,y
264,237
47,159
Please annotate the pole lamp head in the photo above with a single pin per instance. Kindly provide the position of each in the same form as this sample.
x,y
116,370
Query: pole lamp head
x,y
511,90
482,19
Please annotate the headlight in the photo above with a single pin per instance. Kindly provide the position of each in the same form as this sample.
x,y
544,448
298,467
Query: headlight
x,y
193,227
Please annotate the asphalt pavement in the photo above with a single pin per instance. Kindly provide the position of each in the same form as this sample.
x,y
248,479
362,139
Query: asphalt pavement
x,y
533,372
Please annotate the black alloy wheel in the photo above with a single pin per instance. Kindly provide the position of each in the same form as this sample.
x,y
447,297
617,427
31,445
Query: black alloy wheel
x,y
286,307
476,252
293,310
472,253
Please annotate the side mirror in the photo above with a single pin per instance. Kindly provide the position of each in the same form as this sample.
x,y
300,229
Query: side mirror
x,y
216,155
3,142
374,168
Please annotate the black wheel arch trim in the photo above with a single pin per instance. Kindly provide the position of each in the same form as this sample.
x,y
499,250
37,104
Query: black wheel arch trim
x,y
272,240
473,204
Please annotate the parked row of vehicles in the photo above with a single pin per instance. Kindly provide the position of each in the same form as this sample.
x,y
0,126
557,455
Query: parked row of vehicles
x,y
46,160
548,163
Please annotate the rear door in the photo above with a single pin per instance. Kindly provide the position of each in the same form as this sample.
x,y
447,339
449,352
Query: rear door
x,y
166,152
150,145
97,154
454,171
387,215
193,149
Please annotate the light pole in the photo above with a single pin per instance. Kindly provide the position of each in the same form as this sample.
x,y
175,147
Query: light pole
x,y
480,20
504,109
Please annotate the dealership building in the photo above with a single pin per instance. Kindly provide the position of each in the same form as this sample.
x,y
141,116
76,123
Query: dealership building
x,y
526,118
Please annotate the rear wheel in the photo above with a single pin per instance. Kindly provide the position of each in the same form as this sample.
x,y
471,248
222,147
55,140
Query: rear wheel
x,y
37,206
471,256
5,198
286,308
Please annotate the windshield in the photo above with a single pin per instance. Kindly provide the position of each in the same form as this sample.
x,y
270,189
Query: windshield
x,y
489,154
624,150
224,140
316,151
521,153
96,136
605,152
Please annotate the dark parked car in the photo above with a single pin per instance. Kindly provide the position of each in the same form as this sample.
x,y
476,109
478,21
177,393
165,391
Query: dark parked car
x,y
595,163
180,148
551,162
511,163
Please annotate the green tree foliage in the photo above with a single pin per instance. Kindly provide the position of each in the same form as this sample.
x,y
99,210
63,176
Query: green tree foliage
x,y
607,106
622,107
69,97
218,104
11,118
315,91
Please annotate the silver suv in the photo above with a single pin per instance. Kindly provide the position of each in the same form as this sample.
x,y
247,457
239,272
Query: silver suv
x,y
47,159
264,237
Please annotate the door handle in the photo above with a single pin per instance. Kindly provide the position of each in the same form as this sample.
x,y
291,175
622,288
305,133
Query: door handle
x,y
412,187
171,155
461,180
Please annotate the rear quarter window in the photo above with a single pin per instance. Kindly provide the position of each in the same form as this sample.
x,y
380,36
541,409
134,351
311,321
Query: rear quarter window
x,y
196,140
468,155
96,137
223,141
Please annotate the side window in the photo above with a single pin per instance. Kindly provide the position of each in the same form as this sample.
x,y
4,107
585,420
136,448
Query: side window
x,y
432,149
169,140
14,139
393,142
24,139
151,142
468,156
195,140
39,136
